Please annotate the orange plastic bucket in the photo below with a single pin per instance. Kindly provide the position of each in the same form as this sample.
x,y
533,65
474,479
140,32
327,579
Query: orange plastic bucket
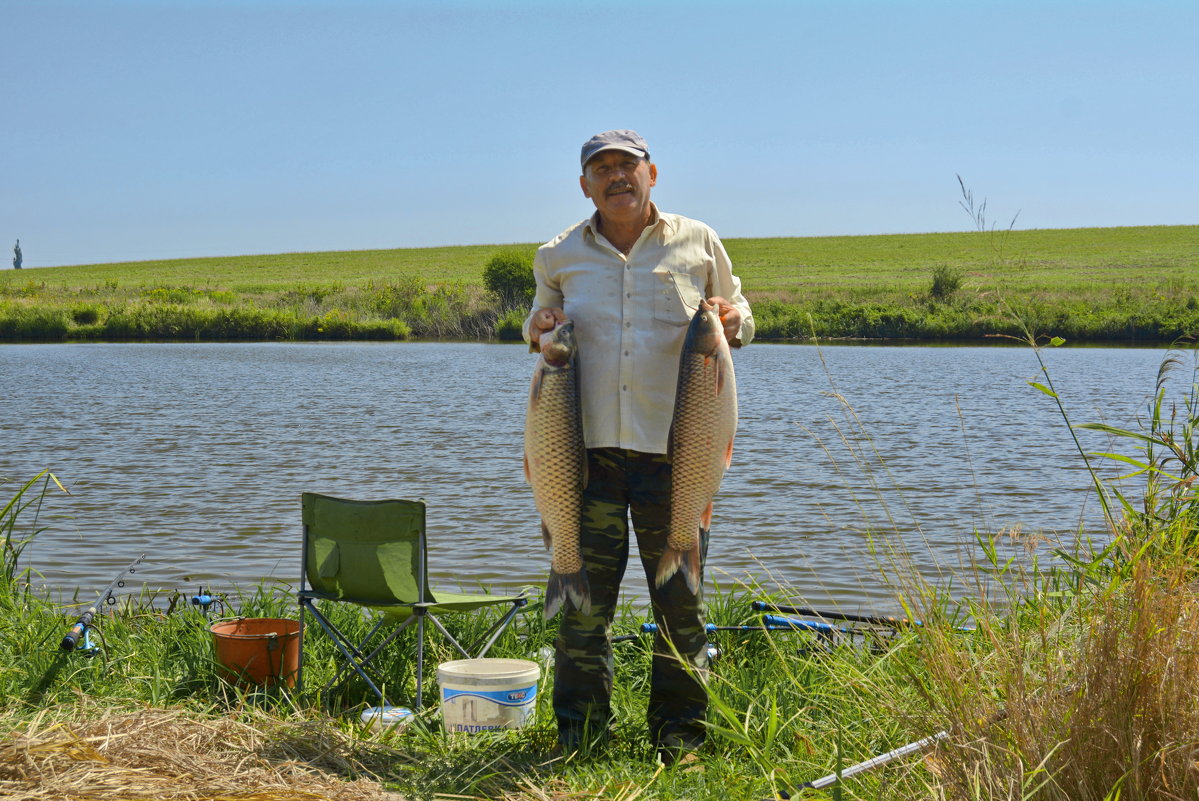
x,y
258,650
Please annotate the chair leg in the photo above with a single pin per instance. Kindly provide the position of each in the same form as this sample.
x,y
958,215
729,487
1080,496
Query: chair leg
x,y
360,664
341,643
480,647
420,654
445,633
488,639
493,633
300,665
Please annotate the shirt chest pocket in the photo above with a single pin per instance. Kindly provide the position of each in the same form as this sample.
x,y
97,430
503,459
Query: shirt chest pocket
x,y
676,296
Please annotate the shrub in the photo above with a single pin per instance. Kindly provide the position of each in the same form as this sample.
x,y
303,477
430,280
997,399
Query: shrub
x,y
946,281
509,276
87,313
775,319
509,327
395,299
170,295
21,322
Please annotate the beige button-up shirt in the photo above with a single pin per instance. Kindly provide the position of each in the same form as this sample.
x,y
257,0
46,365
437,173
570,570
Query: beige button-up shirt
x,y
631,315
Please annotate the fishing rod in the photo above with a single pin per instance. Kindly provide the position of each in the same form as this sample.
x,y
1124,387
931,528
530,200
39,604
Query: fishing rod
x,y
874,762
769,623
79,631
894,623
895,753
876,620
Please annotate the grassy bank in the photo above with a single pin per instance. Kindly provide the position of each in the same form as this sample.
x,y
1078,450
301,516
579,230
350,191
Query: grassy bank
x,y
786,702
1087,285
1068,675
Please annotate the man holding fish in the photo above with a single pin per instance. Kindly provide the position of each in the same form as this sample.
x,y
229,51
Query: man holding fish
x,y
632,413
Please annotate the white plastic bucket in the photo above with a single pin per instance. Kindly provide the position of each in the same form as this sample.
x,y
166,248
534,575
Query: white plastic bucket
x,y
485,694
381,718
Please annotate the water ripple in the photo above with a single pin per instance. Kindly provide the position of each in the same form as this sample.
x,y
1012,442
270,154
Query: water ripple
x,y
197,454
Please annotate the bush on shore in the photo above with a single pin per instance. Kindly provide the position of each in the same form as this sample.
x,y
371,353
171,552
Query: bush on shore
x,y
1130,285
508,276
408,310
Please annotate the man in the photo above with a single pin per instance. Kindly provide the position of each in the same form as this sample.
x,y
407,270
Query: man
x,y
630,278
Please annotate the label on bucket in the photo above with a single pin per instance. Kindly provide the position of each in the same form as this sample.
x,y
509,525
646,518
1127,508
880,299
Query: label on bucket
x,y
505,697
474,710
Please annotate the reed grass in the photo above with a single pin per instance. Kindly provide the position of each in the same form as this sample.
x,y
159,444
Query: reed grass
x,y
1082,680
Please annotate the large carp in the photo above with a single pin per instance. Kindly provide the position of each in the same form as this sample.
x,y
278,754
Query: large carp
x,y
701,442
556,465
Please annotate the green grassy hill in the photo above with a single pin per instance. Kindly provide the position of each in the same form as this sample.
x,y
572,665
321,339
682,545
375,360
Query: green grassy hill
x,y
1136,284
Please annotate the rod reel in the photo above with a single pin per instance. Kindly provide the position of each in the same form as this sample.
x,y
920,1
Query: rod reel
x,y
205,601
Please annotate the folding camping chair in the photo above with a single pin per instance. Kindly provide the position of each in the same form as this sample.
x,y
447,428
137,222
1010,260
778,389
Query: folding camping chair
x,y
373,554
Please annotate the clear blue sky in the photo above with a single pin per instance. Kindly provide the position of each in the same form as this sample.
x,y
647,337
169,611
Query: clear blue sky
x,y
144,130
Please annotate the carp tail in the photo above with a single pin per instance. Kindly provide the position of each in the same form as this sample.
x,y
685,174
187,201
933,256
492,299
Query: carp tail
x,y
572,586
687,562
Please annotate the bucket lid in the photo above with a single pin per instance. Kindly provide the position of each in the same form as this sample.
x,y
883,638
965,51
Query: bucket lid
x,y
386,715
488,668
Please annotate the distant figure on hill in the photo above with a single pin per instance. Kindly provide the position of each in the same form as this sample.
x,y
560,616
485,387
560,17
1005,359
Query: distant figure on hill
x,y
16,255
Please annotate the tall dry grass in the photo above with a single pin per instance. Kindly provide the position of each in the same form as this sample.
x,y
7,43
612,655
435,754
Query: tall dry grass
x,y
1081,680
1090,697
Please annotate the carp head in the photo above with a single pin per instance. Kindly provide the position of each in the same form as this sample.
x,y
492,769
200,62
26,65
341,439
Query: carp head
x,y
705,332
558,346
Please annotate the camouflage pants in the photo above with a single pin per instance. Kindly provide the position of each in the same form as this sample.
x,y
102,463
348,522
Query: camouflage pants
x,y
623,483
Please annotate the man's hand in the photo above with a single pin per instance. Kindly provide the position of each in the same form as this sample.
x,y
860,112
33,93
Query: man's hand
x,y
730,319
543,322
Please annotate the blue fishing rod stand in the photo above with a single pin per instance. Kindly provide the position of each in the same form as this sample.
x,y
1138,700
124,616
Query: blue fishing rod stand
x,y
204,600
86,647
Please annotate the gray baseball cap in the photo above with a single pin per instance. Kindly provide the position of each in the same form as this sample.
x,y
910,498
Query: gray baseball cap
x,y
628,141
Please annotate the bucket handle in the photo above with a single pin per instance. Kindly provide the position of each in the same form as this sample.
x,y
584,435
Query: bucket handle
x,y
272,645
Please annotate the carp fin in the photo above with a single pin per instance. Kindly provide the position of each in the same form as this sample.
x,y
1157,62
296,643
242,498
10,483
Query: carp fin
x,y
545,535
528,478
688,563
535,388
572,586
728,456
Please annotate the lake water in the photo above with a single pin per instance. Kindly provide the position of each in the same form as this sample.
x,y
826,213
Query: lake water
x,y
197,454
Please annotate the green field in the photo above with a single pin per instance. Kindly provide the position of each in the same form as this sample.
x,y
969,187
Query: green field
x,y
1135,284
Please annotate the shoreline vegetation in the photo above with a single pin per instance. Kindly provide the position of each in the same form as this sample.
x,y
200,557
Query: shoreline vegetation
x,y
1130,285
1069,675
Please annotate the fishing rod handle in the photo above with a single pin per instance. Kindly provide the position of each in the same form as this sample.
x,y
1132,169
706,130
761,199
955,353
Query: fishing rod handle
x,y
78,630
874,762
73,637
879,620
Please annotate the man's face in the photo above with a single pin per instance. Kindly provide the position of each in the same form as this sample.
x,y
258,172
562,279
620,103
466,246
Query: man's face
x,y
618,183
